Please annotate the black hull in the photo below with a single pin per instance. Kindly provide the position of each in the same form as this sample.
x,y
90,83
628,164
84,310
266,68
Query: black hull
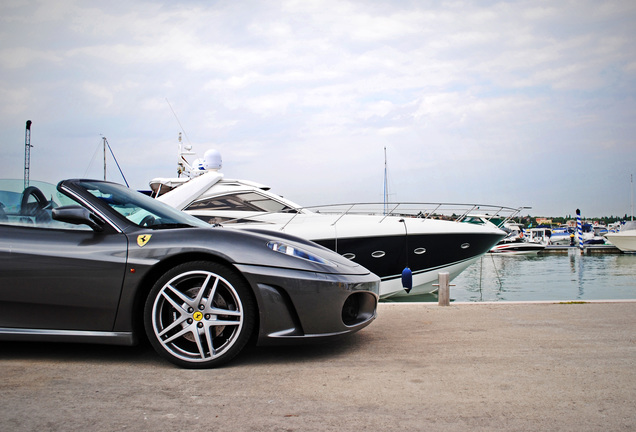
x,y
426,252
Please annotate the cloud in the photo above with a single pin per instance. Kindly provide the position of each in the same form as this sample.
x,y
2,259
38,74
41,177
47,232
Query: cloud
x,y
466,96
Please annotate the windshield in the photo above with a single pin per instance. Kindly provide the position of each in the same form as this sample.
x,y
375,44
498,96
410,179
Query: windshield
x,y
245,201
138,208
32,205
13,196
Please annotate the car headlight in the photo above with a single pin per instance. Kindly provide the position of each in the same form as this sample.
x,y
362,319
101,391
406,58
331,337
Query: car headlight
x,y
294,251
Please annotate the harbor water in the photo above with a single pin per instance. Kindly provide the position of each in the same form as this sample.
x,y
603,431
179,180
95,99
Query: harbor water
x,y
545,277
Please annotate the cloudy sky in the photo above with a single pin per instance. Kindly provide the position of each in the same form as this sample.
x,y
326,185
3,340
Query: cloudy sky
x,y
518,103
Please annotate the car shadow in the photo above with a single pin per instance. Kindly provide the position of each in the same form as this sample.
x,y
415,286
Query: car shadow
x,y
78,352
312,351
144,354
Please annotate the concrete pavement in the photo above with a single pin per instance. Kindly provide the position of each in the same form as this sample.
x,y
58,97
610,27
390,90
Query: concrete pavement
x,y
477,367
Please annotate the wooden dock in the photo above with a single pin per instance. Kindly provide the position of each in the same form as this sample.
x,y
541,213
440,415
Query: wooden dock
x,y
587,250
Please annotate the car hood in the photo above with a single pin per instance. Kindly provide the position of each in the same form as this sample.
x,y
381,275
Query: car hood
x,y
239,247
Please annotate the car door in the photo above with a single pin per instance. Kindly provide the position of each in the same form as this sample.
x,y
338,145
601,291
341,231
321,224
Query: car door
x,y
59,276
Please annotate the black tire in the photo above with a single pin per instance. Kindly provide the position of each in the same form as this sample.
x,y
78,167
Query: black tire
x,y
193,328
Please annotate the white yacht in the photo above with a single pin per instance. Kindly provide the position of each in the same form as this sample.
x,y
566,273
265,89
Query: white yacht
x,y
625,238
407,245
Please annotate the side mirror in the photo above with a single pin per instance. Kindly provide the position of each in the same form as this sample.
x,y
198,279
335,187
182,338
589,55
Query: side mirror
x,y
77,215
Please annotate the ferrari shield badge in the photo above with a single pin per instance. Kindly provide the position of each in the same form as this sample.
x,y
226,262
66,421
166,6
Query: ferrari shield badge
x,y
143,239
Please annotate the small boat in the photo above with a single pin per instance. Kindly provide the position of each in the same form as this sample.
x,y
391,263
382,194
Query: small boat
x,y
563,236
625,238
406,244
517,247
515,243
593,234
539,235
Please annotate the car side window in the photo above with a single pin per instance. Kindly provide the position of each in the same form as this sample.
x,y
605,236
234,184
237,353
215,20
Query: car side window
x,y
32,206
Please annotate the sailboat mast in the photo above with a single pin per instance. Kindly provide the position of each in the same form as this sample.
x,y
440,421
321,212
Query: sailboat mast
x,y
631,176
27,153
386,185
104,145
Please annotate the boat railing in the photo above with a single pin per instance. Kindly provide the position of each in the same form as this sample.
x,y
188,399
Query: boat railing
x,y
457,212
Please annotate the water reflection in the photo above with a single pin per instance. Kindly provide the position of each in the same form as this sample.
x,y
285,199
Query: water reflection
x,y
581,279
570,276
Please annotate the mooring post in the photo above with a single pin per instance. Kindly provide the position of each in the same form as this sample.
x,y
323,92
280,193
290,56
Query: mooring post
x,y
443,292
579,230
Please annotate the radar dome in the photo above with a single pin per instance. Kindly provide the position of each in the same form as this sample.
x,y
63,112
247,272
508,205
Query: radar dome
x,y
212,160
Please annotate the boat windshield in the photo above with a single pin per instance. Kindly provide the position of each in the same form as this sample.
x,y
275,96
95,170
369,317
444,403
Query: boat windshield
x,y
246,201
139,208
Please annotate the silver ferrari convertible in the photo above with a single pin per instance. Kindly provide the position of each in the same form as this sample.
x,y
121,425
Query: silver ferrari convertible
x,y
93,261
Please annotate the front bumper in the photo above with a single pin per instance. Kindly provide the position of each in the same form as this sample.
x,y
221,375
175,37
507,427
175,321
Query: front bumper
x,y
297,305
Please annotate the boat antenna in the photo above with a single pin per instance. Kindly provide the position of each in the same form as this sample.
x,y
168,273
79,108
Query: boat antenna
x,y
179,122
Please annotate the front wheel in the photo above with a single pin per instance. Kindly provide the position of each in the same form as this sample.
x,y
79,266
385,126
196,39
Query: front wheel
x,y
199,315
